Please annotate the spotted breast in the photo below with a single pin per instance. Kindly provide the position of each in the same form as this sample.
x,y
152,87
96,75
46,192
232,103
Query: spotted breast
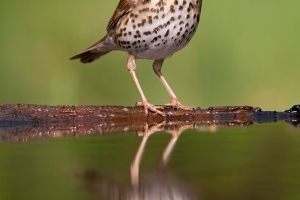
x,y
156,29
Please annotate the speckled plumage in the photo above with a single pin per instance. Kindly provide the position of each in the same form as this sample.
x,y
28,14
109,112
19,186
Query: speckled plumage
x,y
148,29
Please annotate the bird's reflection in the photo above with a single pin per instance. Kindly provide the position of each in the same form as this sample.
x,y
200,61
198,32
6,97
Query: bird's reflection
x,y
160,185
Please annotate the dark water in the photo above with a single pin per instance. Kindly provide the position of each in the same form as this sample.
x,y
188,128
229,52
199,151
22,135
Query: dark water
x,y
259,161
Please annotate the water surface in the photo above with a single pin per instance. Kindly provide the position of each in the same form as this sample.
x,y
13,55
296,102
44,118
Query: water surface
x,y
260,161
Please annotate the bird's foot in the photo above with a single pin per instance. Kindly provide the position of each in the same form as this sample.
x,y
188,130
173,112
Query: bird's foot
x,y
147,106
175,103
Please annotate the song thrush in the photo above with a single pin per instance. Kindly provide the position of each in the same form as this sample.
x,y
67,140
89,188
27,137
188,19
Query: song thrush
x,y
148,29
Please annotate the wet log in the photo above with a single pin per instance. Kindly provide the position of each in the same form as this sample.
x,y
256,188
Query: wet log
x,y
22,122
56,114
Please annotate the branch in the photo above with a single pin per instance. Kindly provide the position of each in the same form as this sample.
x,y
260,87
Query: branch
x,y
45,113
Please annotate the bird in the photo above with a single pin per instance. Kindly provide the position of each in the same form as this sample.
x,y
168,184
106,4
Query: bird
x,y
148,29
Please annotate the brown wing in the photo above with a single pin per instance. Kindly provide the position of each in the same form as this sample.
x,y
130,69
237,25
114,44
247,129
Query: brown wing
x,y
122,9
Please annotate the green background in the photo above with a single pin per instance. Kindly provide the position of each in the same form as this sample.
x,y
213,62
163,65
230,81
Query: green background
x,y
244,53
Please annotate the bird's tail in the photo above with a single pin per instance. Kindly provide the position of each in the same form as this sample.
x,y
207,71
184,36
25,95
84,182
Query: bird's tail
x,y
93,52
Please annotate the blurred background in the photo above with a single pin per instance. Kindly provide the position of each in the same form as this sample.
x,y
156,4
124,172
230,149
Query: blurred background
x,y
244,53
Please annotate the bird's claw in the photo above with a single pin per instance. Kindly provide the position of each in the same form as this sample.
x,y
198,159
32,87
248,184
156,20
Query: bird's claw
x,y
147,106
176,104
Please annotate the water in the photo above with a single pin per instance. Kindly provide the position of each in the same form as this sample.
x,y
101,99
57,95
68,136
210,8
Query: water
x,y
167,160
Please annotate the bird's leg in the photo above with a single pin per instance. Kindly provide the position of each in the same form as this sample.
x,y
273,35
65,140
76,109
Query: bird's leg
x,y
157,64
131,66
